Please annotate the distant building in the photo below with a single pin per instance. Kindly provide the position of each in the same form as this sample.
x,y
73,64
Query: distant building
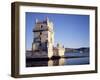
x,y
43,40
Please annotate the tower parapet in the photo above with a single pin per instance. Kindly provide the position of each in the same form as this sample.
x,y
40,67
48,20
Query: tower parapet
x,y
43,38
59,50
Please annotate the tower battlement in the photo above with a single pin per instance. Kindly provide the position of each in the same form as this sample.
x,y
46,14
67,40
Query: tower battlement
x,y
43,40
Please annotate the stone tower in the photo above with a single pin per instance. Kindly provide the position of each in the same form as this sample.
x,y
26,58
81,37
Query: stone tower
x,y
43,40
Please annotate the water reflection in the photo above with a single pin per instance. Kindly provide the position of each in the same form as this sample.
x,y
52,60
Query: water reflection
x,y
50,62
71,59
56,62
61,61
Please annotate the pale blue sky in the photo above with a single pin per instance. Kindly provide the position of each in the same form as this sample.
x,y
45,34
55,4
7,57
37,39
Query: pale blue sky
x,y
71,30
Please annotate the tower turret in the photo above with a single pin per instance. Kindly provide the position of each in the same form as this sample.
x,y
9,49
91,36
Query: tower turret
x,y
43,38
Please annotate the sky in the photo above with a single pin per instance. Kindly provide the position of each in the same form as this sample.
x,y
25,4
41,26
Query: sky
x,y
70,30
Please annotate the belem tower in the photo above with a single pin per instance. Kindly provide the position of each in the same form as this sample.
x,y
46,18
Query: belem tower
x,y
43,40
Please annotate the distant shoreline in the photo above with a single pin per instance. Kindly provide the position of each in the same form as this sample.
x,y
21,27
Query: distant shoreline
x,y
84,49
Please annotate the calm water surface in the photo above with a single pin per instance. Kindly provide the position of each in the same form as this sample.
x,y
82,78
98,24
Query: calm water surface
x,y
72,59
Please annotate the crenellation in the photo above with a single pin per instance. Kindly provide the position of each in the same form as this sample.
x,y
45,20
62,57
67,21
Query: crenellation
x,y
43,41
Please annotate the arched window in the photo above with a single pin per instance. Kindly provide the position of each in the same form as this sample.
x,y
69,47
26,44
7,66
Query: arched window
x,y
41,26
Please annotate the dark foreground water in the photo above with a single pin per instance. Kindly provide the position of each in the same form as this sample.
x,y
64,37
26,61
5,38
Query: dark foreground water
x,y
71,59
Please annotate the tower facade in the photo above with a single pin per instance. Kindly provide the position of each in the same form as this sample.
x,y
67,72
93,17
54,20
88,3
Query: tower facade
x,y
43,40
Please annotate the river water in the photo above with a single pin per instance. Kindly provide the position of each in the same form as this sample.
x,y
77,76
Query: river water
x,y
71,59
